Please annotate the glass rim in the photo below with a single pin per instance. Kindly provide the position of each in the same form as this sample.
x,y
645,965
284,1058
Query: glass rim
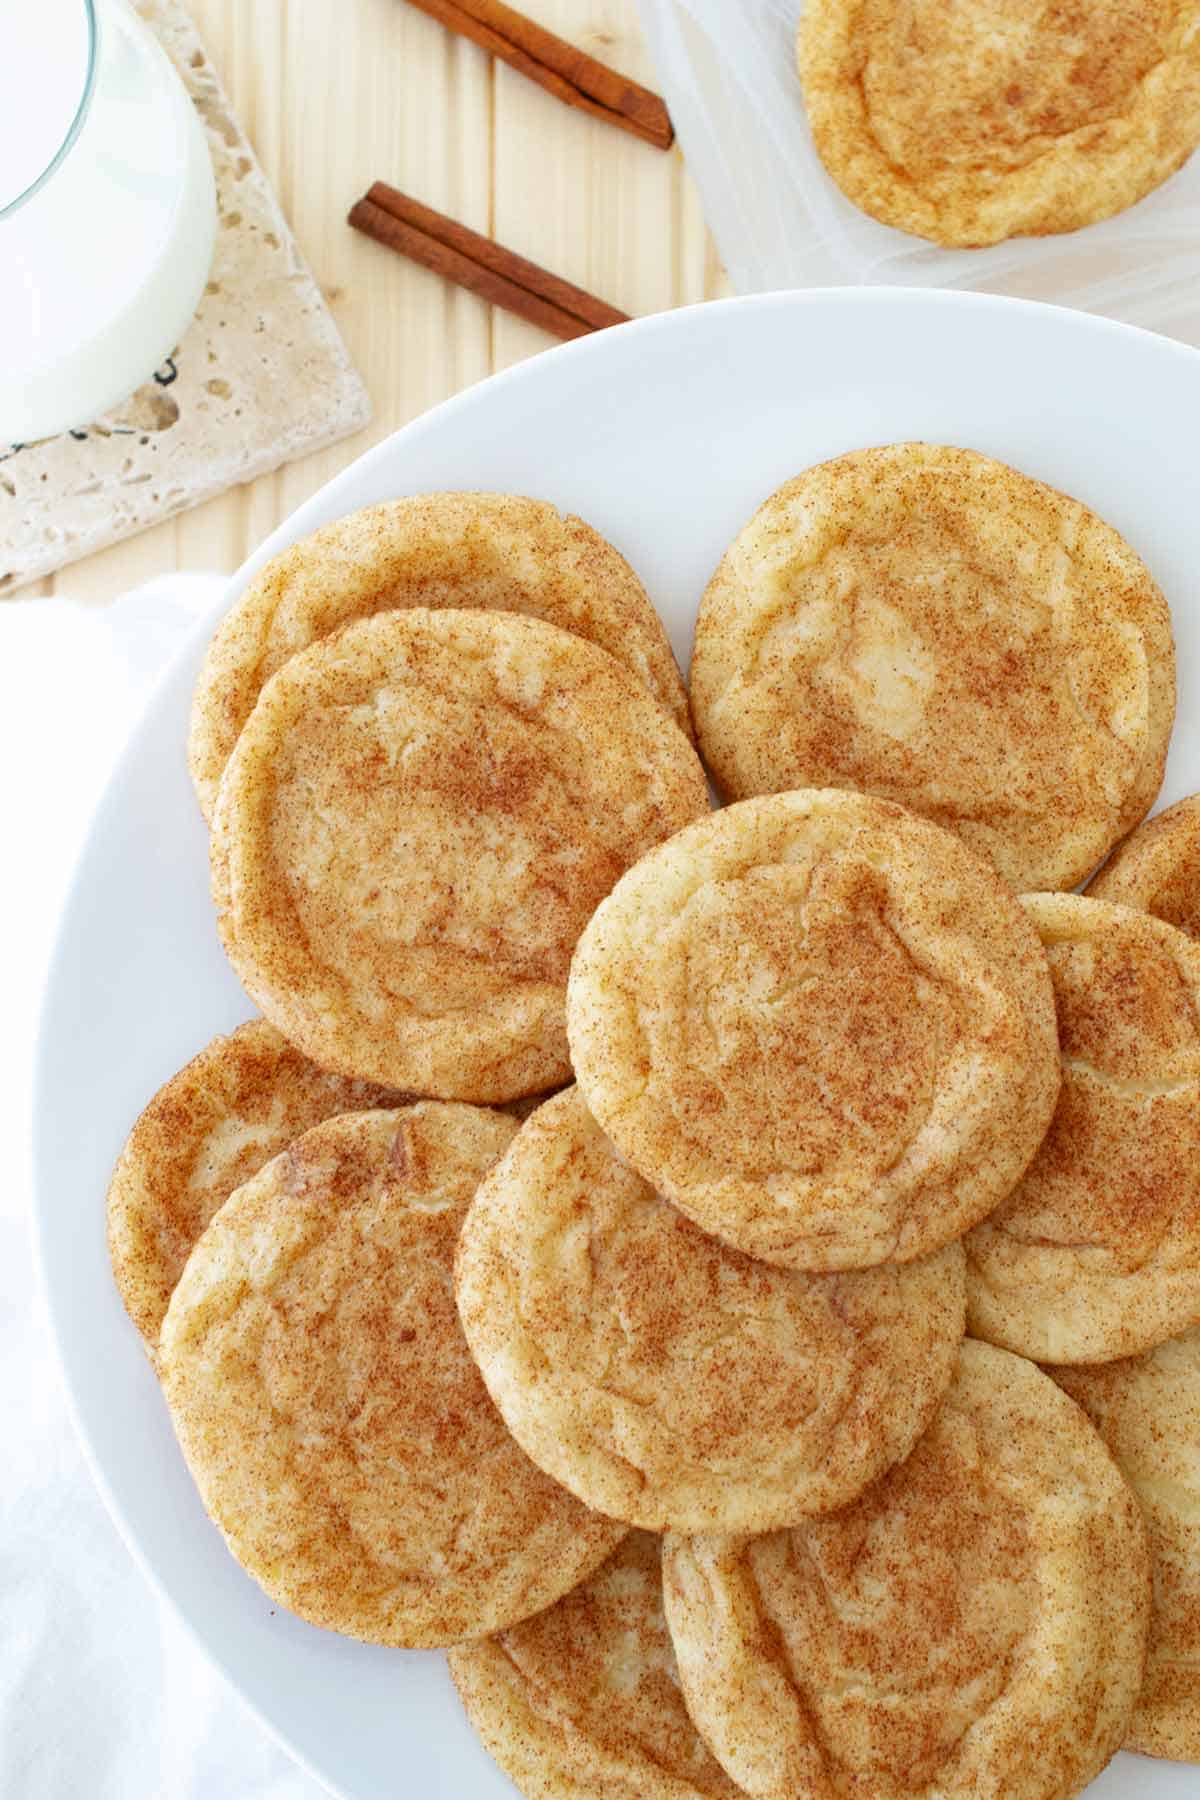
x,y
76,125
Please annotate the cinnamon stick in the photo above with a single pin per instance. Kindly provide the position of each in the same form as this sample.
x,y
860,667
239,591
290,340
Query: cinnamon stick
x,y
561,68
486,268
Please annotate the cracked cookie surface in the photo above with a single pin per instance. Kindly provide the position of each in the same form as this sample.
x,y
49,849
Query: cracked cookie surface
x,y
670,1381
926,624
1157,869
1096,1252
974,1625
1000,118
419,817
821,1026
237,1104
583,1702
327,1404
501,552
1147,1410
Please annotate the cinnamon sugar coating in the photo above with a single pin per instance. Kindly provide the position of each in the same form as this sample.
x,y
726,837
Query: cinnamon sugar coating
x,y
497,551
929,625
328,1406
1147,1410
821,1026
419,818
1096,1252
974,1625
1157,869
997,118
670,1381
237,1104
583,1702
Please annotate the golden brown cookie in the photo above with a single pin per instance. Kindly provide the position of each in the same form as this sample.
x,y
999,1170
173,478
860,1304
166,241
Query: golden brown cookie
x,y
1157,870
928,625
673,1382
821,1026
328,1406
1147,1410
1096,1253
419,818
237,1104
974,1625
991,119
583,1702
498,551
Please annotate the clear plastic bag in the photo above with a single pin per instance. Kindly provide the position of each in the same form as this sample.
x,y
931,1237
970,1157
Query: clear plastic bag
x,y
727,69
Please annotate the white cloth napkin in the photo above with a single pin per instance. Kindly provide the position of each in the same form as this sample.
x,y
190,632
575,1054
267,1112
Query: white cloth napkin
x,y
102,1693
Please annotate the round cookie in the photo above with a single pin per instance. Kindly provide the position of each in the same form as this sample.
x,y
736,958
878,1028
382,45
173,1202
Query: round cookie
x,y
1096,1253
928,625
978,122
821,1026
670,1381
328,1406
419,817
1157,870
1147,1410
241,1101
497,551
974,1625
583,1703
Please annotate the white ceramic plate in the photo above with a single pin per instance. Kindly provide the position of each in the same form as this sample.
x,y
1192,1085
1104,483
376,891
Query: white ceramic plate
x,y
665,434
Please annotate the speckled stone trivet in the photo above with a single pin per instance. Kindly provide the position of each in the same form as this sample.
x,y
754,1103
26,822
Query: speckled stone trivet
x,y
261,375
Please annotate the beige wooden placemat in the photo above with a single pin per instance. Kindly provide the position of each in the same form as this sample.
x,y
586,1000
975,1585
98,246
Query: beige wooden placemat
x,y
261,376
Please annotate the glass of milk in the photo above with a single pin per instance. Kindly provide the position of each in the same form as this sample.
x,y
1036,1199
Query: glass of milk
x,y
107,211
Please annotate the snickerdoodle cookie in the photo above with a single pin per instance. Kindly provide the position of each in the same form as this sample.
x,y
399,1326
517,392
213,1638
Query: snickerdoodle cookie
x,y
420,815
497,551
328,1406
1157,870
974,1625
1147,1410
991,119
1096,1253
583,1702
928,625
821,1026
671,1381
236,1105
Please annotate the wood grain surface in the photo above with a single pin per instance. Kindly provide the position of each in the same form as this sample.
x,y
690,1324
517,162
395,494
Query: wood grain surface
x,y
337,93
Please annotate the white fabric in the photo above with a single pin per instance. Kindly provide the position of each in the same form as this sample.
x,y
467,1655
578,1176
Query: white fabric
x,y
103,1696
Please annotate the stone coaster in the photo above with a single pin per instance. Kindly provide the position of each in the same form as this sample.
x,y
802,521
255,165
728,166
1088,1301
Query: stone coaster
x,y
260,378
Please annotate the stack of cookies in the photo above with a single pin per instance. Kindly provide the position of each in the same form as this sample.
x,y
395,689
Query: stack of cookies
x,y
653,1399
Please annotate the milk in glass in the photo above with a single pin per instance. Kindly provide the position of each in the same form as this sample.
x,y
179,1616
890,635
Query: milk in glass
x,y
107,211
